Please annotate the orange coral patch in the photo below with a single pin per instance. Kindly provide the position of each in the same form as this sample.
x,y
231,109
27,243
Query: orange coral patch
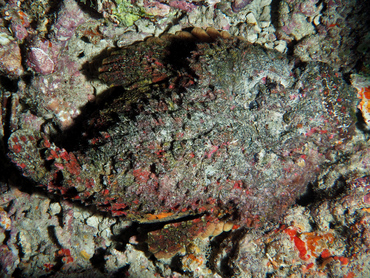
x,y
325,254
366,92
159,216
349,275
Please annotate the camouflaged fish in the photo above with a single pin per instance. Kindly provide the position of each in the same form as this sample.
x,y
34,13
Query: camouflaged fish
x,y
224,127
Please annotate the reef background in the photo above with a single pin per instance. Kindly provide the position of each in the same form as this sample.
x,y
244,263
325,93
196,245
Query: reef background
x,y
49,50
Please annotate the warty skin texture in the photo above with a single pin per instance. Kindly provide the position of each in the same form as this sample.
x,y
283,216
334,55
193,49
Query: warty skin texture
x,y
231,129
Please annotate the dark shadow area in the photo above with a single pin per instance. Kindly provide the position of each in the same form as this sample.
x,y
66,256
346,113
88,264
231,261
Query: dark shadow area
x,y
90,6
314,195
225,243
122,272
98,260
275,4
361,124
179,51
176,264
309,197
9,84
141,230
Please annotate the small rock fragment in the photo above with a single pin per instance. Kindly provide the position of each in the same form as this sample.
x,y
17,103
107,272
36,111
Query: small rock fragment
x,y
55,208
10,55
93,221
5,221
280,46
238,5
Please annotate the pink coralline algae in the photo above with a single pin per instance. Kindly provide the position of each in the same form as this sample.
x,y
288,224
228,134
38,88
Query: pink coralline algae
x,y
156,8
53,91
238,5
231,130
19,20
58,73
183,5
42,57
44,54
308,8
69,18
296,20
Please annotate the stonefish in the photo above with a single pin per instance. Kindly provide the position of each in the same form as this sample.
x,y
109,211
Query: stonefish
x,y
225,128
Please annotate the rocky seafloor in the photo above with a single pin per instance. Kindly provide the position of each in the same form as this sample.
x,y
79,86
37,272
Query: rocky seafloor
x,y
184,138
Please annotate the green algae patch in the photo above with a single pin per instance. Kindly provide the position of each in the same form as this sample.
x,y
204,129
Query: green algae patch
x,y
126,13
